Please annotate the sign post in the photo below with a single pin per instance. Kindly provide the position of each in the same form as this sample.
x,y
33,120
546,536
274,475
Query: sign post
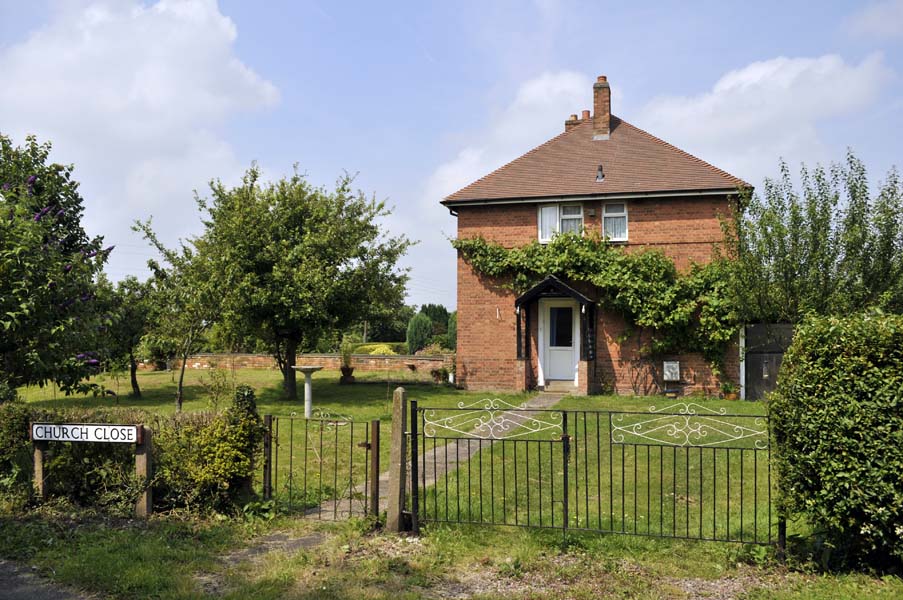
x,y
139,435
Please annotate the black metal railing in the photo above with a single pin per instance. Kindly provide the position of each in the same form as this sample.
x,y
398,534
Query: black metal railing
x,y
685,471
326,467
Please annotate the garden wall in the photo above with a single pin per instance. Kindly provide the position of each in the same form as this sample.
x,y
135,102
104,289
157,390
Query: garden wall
x,y
362,362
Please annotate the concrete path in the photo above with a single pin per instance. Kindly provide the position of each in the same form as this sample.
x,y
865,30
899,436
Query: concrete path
x,y
20,583
436,462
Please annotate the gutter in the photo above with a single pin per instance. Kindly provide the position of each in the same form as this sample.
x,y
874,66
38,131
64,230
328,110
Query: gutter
x,y
450,204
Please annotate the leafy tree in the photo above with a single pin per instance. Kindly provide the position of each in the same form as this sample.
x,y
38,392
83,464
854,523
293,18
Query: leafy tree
x,y
129,323
183,299
294,263
452,333
438,315
390,325
48,264
830,248
420,331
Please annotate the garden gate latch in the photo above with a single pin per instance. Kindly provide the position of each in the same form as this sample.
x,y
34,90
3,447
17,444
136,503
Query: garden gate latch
x,y
365,445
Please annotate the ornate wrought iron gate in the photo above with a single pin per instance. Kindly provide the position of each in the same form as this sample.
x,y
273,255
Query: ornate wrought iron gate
x,y
682,471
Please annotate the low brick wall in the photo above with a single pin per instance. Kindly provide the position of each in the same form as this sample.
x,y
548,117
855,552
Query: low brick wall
x,y
362,362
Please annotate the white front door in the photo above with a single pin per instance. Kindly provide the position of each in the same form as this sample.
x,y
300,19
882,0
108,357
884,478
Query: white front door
x,y
559,338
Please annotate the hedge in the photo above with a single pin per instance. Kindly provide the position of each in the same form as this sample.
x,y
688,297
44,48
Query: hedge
x,y
837,415
203,461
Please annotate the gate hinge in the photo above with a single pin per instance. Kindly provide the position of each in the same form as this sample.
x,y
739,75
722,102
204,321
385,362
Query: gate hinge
x,y
366,445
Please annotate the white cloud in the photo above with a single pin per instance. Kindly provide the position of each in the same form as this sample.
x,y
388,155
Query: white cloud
x,y
780,107
882,19
536,113
136,96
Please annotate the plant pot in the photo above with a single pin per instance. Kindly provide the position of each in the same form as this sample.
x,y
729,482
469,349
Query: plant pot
x,y
732,396
347,376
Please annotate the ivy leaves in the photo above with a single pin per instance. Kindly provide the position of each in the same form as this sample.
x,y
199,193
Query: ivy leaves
x,y
685,312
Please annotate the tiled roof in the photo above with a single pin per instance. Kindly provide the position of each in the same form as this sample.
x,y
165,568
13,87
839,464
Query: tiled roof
x,y
634,162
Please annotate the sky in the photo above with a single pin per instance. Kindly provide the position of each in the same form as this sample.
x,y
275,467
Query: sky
x,y
152,100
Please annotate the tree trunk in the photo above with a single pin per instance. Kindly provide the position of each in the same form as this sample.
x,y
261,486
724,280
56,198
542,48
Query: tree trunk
x,y
289,383
133,372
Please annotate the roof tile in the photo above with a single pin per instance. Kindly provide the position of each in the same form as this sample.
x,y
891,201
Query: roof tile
x,y
633,162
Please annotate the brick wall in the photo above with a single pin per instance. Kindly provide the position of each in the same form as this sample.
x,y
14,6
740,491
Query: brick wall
x,y
362,362
685,229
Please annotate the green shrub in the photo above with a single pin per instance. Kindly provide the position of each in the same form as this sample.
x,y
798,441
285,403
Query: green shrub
x,y
7,392
206,460
382,348
838,422
420,331
203,461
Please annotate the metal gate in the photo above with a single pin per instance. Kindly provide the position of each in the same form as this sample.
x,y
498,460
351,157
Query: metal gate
x,y
326,467
682,471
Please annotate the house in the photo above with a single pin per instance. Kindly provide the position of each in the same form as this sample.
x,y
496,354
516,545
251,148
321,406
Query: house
x,y
601,174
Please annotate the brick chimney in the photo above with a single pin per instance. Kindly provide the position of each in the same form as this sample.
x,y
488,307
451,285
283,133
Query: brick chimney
x,y
601,109
572,122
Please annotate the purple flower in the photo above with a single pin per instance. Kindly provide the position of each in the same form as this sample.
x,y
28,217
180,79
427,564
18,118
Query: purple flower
x,y
109,249
32,179
91,254
6,186
81,356
92,362
67,268
51,285
60,213
40,215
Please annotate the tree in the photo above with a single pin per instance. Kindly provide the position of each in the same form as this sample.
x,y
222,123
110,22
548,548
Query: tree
x,y
829,249
48,264
438,315
452,334
294,263
129,323
390,325
183,299
420,331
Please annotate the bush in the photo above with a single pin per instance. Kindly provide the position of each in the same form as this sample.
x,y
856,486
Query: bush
x,y
7,392
838,422
203,461
420,331
383,348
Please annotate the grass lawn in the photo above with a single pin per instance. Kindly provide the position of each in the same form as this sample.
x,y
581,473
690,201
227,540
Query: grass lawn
x,y
182,557
189,558
640,488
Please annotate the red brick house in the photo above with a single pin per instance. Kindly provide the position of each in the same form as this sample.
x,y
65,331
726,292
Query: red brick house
x,y
605,175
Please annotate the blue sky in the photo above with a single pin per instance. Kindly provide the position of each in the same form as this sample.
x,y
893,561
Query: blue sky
x,y
151,100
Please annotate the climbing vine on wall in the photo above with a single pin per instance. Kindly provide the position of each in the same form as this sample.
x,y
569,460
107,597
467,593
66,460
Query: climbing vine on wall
x,y
683,312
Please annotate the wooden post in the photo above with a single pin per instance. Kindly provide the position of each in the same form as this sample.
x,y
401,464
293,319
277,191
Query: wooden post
x,y
397,462
143,469
40,477
374,468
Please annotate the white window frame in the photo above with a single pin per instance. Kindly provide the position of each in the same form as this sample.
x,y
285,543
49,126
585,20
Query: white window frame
x,y
605,214
558,219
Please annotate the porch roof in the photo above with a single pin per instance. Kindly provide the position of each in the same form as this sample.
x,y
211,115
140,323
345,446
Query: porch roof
x,y
551,287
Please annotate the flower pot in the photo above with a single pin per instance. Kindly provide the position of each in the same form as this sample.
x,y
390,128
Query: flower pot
x,y
347,376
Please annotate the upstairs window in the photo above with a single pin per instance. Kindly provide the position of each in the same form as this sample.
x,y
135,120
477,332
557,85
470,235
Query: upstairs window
x,y
559,218
614,222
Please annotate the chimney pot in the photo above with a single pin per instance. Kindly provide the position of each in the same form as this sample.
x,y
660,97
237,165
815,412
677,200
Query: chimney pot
x,y
585,115
601,109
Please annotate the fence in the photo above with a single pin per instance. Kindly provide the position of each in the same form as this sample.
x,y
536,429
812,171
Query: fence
x,y
327,466
684,471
